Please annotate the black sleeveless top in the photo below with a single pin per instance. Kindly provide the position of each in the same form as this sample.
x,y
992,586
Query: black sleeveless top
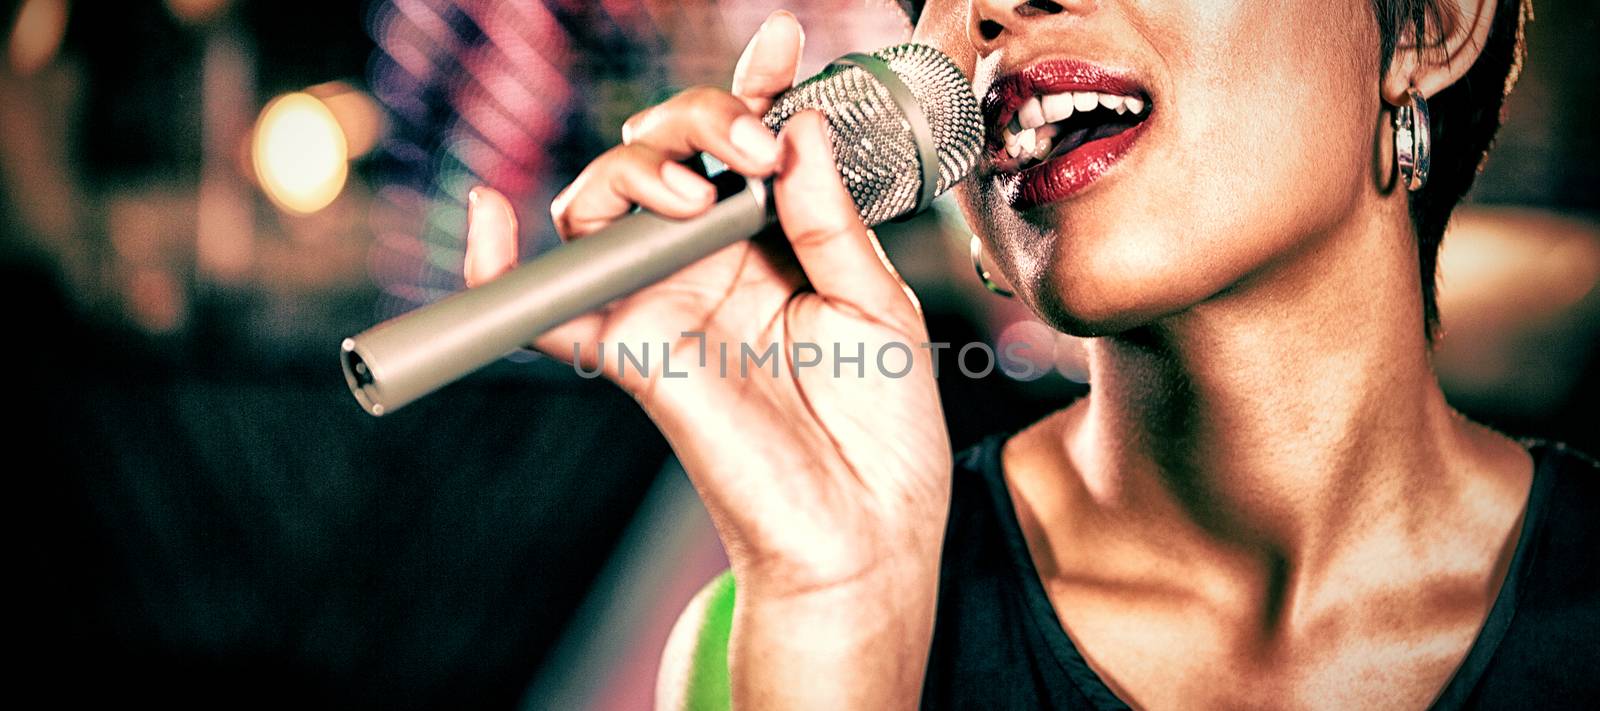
x,y
998,644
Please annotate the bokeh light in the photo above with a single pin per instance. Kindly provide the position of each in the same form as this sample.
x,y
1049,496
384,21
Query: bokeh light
x,y
196,11
300,153
1026,350
1072,358
37,34
359,115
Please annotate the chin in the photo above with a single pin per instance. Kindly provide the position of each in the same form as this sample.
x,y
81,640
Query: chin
x,y
1090,305
1100,277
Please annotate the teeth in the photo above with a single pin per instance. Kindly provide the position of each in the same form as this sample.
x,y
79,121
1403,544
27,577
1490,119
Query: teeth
x,y
1044,139
1032,131
1031,115
1057,107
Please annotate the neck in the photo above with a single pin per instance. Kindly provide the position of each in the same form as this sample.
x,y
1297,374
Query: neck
x,y
1278,414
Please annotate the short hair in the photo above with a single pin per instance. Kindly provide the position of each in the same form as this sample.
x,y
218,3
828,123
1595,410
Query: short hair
x,y
1464,117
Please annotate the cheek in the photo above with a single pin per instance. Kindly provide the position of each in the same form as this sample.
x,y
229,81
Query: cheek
x,y
1275,131
1264,145
943,25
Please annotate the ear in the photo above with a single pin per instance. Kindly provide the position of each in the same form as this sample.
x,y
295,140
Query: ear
x,y
1455,37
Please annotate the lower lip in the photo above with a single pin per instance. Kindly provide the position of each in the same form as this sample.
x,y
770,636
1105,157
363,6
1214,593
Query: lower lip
x,y
1066,175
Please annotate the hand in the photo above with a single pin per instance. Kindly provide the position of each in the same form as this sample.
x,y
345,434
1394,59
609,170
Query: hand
x,y
822,487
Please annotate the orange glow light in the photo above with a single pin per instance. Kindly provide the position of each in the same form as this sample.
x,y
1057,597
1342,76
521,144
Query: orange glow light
x,y
299,153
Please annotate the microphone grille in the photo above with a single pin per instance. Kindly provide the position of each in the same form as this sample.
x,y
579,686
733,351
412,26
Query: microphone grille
x,y
875,143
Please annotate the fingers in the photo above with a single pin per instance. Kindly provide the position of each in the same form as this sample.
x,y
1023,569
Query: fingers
x,y
710,120
767,67
840,257
491,236
492,251
621,178
644,172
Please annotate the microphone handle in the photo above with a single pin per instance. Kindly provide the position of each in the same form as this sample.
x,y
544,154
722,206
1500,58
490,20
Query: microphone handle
x,y
411,355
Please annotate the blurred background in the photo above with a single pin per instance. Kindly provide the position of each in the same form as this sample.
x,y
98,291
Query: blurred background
x,y
202,197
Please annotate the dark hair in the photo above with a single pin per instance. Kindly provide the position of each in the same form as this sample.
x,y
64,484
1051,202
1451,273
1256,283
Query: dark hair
x,y
1464,116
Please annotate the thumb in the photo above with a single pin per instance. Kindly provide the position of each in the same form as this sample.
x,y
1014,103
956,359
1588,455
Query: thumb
x,y
840,256
768,65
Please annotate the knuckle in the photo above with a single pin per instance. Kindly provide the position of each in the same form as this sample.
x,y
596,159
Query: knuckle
x,y
561,212
635,125
637,155
691,112
699,93
706,104
630,164
565,202
614,174
604,169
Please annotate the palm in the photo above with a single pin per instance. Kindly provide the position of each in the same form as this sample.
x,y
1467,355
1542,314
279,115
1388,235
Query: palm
x,y
821,474
805,462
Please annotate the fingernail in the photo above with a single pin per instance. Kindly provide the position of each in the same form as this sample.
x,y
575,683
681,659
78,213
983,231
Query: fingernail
x,y
753,139
472,212
751,48
780,14
684,182
790,18
766,26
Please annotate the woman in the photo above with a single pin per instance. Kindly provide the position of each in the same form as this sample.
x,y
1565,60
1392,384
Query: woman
x,y
1265,500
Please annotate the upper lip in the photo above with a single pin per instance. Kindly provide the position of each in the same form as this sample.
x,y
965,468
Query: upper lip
x,y
1055,76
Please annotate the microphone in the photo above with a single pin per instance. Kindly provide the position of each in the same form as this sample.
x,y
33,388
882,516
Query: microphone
x,y
904,125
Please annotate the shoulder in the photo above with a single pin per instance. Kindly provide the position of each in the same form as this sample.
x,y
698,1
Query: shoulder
x,y
694,665
1565,501
998,457
990,478
1549,653
1567,461
1566,490
978,479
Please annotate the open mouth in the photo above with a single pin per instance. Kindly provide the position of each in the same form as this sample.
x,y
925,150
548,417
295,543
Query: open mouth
x,y
1057,126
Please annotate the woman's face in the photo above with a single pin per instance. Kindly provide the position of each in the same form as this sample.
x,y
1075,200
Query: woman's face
x,y
1247,131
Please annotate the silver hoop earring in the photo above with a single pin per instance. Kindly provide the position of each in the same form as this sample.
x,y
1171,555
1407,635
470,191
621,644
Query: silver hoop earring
x,y
983,273
1412,141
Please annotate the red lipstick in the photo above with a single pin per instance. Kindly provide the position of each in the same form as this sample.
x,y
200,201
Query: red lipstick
x,y
1070,168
